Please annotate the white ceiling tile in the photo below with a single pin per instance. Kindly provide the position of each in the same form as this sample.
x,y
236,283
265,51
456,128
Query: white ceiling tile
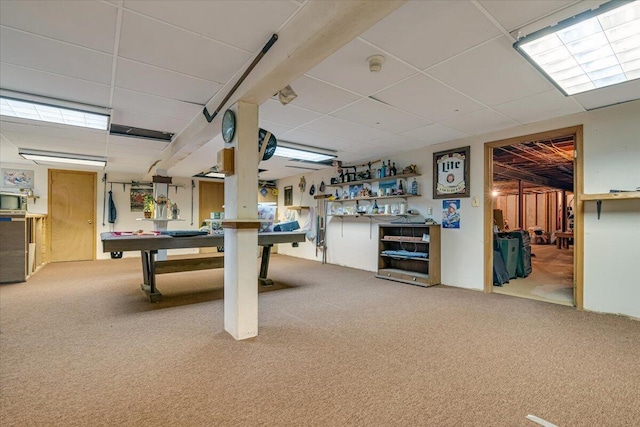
x,y
154,105
162,82
380,116
493,73
611,95
318,96
317,140
435,134
289,115
424,33
44,54
27,80
538,107
275,128
399,142
85,23
514,14
135,144
349,69
480,122
343,129
245,24
162,45
28,129
52,143
426,97
147,121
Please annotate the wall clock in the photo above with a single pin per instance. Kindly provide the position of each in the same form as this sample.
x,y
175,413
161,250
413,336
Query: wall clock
x,y
228,125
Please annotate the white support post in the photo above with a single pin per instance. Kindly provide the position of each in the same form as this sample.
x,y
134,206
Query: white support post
x,y
161,189
241,229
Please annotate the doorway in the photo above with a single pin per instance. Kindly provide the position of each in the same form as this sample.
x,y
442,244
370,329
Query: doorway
x,y
531,215
72,215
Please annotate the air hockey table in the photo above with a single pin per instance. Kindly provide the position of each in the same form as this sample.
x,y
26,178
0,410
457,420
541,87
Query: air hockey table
x,y
149,244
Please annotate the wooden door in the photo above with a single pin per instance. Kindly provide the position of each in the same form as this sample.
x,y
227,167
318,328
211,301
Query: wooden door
x,y
211,196
72,212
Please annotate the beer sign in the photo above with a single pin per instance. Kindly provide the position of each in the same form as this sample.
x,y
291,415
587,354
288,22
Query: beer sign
x,y
451,173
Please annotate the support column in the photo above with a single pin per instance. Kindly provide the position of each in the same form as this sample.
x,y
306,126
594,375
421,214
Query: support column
x,y
160,223
241,229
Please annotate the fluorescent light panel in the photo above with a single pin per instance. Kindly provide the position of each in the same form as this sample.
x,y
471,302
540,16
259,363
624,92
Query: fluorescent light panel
x,y
602,49
310,154
52,114
214,175
52,157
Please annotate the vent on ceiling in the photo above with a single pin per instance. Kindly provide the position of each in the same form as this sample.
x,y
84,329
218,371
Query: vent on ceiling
x,y
131,131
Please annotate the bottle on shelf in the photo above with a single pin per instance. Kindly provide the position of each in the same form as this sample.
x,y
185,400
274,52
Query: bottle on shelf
x,y
400,188
383,170
414,187
374,210
389,168
394,171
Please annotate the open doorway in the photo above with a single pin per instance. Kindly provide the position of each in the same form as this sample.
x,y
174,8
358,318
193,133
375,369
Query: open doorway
x,y
533,246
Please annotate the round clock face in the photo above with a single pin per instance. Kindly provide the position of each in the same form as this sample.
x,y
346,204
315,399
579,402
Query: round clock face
x,y
272,144
228,125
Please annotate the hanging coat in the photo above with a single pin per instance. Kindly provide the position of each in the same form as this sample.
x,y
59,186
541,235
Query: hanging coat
x,y
112,209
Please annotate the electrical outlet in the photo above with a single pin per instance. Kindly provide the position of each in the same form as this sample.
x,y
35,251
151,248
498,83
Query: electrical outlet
x,y
430,211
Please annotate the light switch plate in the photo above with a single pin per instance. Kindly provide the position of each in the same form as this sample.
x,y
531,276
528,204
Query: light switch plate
x,y
475,202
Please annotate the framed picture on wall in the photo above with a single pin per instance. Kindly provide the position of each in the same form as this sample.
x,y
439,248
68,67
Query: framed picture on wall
x,y
451,173
288,195
17,178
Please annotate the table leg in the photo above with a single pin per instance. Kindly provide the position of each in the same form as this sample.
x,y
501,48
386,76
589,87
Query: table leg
x,y
264,266
149,273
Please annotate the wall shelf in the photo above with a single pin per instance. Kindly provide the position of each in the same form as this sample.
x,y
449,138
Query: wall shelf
x,y
397,196
625,195
599,197
364,181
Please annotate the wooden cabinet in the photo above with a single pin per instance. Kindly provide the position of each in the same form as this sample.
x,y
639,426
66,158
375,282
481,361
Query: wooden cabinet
x,y
409,253
22,248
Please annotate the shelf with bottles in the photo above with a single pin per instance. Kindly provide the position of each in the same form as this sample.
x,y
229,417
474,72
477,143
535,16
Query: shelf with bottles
x,y
372,180
358,199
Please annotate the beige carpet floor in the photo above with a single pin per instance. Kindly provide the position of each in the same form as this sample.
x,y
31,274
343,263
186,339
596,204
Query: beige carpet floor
x,y
81,346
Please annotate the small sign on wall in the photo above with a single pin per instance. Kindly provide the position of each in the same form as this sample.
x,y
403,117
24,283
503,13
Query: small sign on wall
x,y
451,213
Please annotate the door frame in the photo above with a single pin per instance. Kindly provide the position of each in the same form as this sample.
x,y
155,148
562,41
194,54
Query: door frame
x,y
94,175
578,190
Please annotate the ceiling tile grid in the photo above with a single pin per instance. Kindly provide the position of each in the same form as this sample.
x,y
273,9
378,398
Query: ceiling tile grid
x,y
432,31
166,46
55,57
83,23
377,115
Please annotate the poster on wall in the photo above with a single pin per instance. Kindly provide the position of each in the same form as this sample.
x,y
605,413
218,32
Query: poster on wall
x,y
451,173
451,213
137,197
17,178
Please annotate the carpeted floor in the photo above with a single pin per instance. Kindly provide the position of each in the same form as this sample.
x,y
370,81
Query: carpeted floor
x,y
81,346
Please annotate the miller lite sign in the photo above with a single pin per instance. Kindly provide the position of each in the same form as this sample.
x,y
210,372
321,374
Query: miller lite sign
x,y
451,173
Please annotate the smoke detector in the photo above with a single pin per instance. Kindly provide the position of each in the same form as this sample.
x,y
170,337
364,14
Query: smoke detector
x,y
375,63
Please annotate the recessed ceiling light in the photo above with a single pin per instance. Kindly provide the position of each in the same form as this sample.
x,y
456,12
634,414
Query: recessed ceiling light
x,y
52,114
595,49
67,158
300,152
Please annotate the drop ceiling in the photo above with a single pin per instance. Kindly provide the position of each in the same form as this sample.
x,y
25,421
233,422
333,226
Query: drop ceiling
x,y
449,72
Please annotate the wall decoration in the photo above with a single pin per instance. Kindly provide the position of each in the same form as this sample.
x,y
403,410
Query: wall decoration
x,y
451,173
451,213
137,197
288,195
17,178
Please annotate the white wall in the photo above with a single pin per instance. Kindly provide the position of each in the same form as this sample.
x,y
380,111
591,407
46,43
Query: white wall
x,y
611,160
126,220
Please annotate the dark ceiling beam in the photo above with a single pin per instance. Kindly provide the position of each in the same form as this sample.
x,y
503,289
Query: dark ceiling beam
x,y
517,174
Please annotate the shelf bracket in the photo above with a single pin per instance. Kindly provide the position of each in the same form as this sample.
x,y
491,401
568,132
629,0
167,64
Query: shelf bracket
x,y
599,207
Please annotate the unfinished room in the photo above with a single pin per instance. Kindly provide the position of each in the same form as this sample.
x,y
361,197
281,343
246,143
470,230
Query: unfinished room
x,y
319,213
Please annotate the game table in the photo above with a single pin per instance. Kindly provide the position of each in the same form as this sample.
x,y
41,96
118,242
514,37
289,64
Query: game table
x,y
150,242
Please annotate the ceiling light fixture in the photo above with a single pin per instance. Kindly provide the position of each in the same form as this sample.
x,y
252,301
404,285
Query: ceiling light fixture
x,y
303,152
68,158
287,95
25,109
214,175
594,49
375,63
